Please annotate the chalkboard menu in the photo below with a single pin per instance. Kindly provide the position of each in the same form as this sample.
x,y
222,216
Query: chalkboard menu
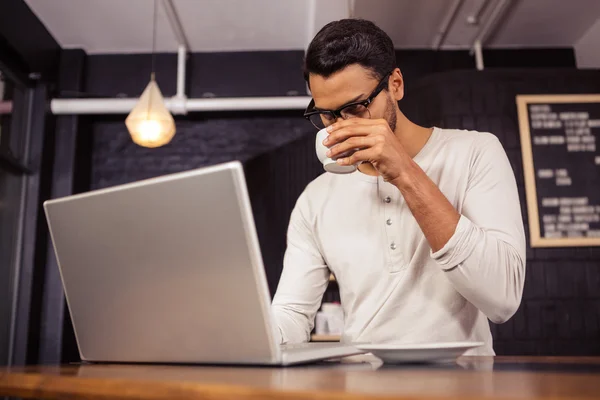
x,y
561,162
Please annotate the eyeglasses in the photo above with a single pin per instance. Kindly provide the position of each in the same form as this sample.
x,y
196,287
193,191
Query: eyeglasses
x,y
358,109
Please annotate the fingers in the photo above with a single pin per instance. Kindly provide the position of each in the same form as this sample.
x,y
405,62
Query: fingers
x,y
350,145
349,122
341,131
346,132
362,155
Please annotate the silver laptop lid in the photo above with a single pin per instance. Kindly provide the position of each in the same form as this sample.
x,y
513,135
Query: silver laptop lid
x,y
165,270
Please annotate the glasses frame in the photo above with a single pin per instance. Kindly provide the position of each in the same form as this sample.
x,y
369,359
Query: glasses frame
x,y
310,110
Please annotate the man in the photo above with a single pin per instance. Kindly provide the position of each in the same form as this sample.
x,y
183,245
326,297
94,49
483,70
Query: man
x,y
426,239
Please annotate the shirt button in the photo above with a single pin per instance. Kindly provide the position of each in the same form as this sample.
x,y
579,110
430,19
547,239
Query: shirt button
x,y
393,246
388,199
389,221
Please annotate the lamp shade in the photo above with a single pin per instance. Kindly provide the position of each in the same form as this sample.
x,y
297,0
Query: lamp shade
x,y
150,124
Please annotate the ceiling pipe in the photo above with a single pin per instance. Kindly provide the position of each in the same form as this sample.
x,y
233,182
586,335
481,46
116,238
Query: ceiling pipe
x,y
351,8
475,16
478,56
175,23
249,103
179,101
493,21
311,26
181,60
311,21
487,30
446,23
124,106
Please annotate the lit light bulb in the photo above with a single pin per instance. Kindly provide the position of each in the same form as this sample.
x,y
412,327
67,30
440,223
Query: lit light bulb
x,y
149,130
150,123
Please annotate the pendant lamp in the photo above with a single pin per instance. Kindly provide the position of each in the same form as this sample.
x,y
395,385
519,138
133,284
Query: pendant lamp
x,y
150,123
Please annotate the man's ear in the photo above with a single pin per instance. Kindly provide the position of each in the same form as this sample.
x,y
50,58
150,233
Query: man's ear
x,y
396,85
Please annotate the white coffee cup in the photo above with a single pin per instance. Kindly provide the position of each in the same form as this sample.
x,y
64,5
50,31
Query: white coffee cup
x,y
328,164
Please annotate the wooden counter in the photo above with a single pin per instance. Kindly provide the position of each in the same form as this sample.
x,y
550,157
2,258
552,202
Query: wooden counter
x,y
469,378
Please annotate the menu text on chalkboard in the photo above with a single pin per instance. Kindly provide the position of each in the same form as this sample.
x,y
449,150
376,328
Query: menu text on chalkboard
x,y
561,160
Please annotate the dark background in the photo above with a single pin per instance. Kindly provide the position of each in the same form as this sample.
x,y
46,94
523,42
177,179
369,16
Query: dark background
x,y
560,313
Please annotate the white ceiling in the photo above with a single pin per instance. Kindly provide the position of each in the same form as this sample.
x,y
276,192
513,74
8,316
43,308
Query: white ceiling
x,y
125,26
548,22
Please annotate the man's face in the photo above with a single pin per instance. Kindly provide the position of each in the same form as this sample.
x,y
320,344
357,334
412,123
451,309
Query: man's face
x,y
353,83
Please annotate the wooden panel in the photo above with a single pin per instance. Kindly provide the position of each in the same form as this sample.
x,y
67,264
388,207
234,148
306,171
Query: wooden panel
x,y
471,377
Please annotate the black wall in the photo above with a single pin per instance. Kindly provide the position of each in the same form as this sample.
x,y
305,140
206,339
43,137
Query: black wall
x,y
279,73
561,309
560,312
27,50
209,138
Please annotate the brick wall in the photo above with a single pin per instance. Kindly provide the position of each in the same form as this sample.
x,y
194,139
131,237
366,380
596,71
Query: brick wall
x,y
197,143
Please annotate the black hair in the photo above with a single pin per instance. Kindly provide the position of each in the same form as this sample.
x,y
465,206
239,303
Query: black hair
x,y
350,41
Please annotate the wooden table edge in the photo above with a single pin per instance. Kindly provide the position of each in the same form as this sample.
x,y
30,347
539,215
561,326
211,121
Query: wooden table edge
x,y
50,387
55,382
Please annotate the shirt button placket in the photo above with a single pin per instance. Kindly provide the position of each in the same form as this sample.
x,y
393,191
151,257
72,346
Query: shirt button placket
x,y
392,246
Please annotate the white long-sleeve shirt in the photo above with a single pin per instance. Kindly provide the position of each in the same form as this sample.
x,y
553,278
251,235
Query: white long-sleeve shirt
x,y
392,287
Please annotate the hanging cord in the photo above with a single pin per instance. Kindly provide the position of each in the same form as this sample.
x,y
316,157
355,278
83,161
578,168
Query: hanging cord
x,y
153,62
154,39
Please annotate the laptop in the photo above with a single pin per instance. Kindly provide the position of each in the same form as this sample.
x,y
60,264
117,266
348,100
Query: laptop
x,y
169,270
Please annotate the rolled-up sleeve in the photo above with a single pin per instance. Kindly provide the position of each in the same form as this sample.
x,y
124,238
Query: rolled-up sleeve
x,y
485,257
303,281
